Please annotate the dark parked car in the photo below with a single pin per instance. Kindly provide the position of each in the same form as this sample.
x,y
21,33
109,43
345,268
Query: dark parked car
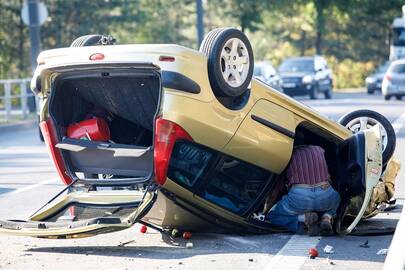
x,y
374,81
303,76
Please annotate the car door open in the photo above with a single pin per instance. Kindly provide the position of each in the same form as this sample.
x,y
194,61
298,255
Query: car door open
x,y
84,213
360,168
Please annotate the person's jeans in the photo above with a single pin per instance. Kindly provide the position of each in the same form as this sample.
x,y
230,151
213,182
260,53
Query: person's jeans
x,y
301,200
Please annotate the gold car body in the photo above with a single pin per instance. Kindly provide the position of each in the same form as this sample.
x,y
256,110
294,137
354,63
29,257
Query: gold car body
x,y
237,133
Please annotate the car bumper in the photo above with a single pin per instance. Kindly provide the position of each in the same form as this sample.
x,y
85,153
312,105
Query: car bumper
x,y
392,90
298,90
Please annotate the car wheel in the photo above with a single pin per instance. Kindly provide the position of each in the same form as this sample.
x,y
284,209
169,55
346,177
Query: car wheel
x,y
230,61
398,97
314,93
328,93
92,40
370,92
364,119
387,97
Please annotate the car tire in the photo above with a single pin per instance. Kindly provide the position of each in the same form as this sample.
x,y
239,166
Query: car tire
x,y
387,97
230,61
398,97
88,40
314,93
371,118
329,93
370,92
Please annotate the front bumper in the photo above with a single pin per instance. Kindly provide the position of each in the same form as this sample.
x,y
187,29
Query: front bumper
x,y
298,89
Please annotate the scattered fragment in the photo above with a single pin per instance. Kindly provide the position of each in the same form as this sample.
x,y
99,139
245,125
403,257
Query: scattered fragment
x,y
250,260
187,235
383,251
189,245
180,262
328,249
144,229
313,253
175,233
365,245
126,243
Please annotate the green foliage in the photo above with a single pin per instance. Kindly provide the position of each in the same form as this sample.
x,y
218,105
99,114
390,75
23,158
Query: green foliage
x,y
352,34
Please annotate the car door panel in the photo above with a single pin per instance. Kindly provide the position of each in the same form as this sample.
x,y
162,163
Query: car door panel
x,y
265,137
83,214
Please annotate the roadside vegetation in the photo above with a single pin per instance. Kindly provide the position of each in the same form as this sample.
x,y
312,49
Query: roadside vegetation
x,y
353,35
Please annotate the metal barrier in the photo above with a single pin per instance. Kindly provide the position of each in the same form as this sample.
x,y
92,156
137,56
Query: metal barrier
x,y
7,98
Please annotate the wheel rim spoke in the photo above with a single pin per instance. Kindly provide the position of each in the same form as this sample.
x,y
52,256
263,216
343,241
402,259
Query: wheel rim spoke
x,y
236,76
363,123
241,60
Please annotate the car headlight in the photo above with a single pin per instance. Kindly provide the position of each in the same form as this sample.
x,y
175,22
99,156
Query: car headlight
x,y
307,79
370,80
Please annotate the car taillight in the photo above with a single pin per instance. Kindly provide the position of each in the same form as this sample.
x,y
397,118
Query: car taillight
x,y
166,134
388,77
50,138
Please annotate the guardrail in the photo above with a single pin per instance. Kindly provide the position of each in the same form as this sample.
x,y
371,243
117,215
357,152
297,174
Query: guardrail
x,y
15,89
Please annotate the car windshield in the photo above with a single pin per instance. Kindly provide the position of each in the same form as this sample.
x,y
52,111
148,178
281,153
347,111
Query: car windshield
x,y
297,65
398,68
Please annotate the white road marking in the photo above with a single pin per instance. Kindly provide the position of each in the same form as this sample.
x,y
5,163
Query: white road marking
x,y
399,123
294,253
20,190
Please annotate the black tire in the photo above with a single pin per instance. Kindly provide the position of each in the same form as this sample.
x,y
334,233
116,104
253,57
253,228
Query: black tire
x,y
329,93
212,46
387,97
398,97
88,40
370,92
314,93
391,137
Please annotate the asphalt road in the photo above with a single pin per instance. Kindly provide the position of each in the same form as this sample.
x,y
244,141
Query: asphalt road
x,y
27,180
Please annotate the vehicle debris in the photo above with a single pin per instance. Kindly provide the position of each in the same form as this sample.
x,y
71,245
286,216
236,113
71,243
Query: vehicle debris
x,y
143,229
365,244
189,245
186,235
313,253
383,251
328,249
174,233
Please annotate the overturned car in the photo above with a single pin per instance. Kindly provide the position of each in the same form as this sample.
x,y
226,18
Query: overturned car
x,y
177,138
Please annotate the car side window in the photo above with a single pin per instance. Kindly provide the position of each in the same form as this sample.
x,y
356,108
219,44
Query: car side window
x,y
235,185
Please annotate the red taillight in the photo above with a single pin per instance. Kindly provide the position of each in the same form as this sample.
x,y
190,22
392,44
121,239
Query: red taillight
x,y
96,56
165,58
388,77
166,134
49,133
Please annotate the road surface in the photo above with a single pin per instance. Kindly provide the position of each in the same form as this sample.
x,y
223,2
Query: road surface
x,y
28,180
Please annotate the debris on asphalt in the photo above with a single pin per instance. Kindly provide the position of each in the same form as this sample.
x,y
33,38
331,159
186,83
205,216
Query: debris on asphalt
x,y
383,251
186,235
189,245
313,253
144,229
126,243
328,249
250,260
259,216
329,262
365,244
175,233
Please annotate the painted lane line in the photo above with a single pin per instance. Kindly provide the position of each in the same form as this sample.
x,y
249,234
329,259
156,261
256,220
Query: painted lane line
x,y
293,254
399,123
30,187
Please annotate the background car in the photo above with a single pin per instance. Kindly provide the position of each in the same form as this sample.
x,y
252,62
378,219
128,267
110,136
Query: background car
x,y
374,80
303,76
265,72
394,80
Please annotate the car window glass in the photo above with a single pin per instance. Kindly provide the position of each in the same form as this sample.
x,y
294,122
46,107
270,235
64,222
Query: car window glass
x,y
297,65
235,185
398,68
188,163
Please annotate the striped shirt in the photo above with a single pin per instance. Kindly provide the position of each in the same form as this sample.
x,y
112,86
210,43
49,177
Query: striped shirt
x,y
307,166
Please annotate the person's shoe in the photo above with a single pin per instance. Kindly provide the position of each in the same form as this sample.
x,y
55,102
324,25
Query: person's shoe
x,y
326,225
311,222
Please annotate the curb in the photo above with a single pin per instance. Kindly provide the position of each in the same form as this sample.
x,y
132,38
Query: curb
x,y
5,128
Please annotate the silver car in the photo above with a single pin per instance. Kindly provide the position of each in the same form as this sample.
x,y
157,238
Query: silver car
x,y
394,80
265,72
